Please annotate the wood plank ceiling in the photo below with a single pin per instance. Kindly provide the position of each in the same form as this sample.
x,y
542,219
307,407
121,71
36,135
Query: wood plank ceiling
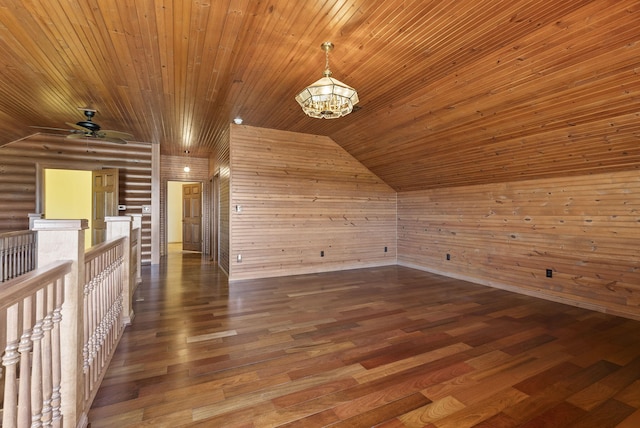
x,y
453,92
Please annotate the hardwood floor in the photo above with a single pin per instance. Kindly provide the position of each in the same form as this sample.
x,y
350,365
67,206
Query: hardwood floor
x,y
388,347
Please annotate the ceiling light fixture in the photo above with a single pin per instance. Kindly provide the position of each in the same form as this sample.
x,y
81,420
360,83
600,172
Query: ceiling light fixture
x,y
327,98
186,167
237,121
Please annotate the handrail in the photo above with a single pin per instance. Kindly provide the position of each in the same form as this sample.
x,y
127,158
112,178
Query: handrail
x,y
18,288
101,248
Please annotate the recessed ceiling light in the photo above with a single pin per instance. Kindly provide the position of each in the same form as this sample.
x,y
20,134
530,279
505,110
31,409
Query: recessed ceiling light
x,y
237,121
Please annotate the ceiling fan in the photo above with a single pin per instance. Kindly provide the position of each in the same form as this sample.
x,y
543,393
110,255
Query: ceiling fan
x,y
90,129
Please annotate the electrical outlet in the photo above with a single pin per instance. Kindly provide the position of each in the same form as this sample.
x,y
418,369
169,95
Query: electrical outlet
x,y
448,256
239,258
549,273
321,253
385,249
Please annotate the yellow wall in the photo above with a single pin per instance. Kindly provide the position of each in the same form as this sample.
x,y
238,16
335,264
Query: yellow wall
x,y
174,211
67,195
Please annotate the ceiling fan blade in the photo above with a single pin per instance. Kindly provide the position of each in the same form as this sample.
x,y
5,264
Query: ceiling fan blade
x,y
114,140
78,127
115,134
94,137
47,128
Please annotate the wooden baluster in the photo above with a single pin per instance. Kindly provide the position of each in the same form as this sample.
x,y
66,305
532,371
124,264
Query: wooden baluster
x,y
90,319
22,252
112,309
102,294
8,271
13,258
25,348
47,381
95,319
97,325
86,346
36,362
2,259
19,255
98,294
104,306
56,364
10,361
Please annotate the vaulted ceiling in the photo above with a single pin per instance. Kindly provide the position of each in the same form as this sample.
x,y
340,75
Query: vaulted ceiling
x,y
452,92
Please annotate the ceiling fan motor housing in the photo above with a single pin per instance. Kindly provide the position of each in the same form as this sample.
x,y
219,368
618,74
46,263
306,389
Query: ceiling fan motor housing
x,y
89,124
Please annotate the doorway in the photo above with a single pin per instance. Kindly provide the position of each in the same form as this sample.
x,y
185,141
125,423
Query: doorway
x,y
67,195
184,216
215,218
80,194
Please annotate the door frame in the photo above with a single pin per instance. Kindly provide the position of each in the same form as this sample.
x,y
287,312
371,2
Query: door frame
x,y
164,250
215,217
70,166
41,166
187,220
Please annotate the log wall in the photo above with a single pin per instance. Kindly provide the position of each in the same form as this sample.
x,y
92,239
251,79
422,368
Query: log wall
x,y
21,161
584,229
301,204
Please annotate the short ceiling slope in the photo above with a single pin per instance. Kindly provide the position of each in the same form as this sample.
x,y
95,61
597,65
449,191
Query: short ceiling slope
x,y
451,92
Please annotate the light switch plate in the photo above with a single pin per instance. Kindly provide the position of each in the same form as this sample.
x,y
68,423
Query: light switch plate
x,y
146,209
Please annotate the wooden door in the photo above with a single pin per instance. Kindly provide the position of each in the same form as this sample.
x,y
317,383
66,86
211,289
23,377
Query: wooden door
x,y
192,217
104,189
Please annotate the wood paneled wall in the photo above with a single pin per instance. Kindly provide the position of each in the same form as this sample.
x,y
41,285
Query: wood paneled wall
x,y
21,160
585,229
294,196
172,169
220,173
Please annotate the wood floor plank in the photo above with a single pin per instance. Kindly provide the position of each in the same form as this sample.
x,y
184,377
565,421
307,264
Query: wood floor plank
x,y
408,363
608,414
561,414
482,410
431,412
632,421
389,347
383,412
119,419
630,395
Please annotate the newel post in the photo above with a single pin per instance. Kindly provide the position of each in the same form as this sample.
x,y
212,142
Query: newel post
x,y
117,227
64,240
